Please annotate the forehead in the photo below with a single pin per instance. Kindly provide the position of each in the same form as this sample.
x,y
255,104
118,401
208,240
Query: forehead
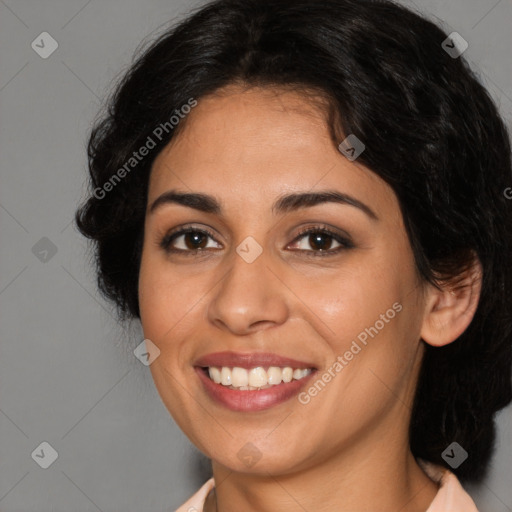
x,y
258,143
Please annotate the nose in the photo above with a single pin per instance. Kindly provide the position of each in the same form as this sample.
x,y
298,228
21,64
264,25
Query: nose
x,y
250,297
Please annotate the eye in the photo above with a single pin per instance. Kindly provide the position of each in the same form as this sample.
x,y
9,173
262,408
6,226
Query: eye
x,y
191,241
321,240
187,241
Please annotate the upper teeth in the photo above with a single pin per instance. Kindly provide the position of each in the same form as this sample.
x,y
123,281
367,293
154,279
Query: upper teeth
x,y
254,378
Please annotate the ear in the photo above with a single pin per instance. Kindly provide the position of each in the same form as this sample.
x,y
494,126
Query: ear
x,y
449,311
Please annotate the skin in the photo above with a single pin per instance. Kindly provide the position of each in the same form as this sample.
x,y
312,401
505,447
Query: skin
x,y
347,449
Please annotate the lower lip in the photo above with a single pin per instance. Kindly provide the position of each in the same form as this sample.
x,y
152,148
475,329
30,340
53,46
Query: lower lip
x,y
248,401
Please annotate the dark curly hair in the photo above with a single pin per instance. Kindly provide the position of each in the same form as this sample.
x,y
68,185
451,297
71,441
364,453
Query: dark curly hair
x,y
431,131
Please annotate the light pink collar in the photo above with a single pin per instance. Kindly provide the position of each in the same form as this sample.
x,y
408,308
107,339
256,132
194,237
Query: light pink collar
x,y
451,495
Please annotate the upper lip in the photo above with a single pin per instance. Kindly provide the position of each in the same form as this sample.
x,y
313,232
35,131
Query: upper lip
x,y
250,360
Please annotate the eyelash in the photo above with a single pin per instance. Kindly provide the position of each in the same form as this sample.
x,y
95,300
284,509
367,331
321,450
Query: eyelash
x,y
344,242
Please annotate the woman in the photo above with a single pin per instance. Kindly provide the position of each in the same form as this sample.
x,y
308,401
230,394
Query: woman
x,y
303,203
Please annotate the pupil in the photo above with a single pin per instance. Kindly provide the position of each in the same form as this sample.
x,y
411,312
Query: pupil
x,y
316,241
197,238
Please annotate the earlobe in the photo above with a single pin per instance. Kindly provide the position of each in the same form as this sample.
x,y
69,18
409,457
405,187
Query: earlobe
x,y
449,311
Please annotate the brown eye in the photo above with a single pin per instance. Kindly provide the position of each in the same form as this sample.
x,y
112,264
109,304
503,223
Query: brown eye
x,y
187,240
320,241
313,242
195,240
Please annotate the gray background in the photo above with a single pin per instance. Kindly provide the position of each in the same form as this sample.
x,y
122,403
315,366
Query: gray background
x,y
67,372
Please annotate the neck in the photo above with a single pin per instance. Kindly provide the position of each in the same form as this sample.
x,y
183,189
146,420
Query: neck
x,y
383,478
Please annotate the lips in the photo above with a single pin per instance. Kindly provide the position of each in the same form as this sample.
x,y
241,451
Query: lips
x,y
250,360
250,400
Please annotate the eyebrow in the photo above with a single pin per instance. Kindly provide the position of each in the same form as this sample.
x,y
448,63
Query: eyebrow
x,y
290,202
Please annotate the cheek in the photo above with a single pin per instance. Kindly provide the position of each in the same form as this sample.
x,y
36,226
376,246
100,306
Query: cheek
x,y
159,289
347,302
159,309
165,311
171,301
366,318
375,345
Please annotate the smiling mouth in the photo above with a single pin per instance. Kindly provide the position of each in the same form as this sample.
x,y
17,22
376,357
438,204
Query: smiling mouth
x,y
254,379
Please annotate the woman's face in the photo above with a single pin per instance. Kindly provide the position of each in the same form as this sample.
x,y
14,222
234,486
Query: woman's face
x,y
347,304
